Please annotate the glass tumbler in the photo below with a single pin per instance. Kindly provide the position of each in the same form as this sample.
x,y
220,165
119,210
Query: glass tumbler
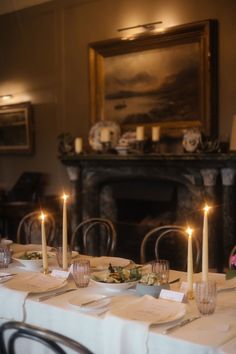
x,y
206,297
5,256
162,267
59,253
81,272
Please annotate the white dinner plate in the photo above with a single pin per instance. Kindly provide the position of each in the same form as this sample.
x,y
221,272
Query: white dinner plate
x,y
102,263
151,310
77,301
35,283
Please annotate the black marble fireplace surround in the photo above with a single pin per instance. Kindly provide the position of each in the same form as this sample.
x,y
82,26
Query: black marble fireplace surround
x,y
138,192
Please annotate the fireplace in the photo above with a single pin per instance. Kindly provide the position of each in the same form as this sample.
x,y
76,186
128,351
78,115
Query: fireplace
x,y
139,192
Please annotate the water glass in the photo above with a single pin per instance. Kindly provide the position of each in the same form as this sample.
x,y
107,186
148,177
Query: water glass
x,y
5,256
81,272
206,297
59,253
162,267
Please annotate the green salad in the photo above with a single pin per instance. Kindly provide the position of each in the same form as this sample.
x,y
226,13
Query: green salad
x,y
30,256
119,275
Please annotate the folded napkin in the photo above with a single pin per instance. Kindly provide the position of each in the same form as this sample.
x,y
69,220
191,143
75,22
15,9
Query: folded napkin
x,y
34,282
126,329
12,304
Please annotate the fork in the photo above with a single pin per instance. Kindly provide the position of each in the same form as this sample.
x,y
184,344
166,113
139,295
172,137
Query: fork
x,y
46,297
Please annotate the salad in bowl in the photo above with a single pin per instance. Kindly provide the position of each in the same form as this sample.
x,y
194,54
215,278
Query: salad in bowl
x,y
31,259
117,278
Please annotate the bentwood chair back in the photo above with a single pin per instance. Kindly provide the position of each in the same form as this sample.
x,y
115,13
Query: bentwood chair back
x,y
98,237
13,332
170,240
29,228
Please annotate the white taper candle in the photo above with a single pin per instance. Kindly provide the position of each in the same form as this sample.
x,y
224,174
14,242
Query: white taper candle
x,y
64,233
44,243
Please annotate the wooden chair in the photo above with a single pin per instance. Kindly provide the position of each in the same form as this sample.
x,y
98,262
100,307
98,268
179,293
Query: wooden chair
x,y
98,237
175,240
29,228
11,332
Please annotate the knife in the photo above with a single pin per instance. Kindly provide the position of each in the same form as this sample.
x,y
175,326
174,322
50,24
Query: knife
x,y
181,324
45,297
95,301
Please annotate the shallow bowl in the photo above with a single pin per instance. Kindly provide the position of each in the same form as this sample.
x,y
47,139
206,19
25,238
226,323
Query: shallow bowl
x,y
32,264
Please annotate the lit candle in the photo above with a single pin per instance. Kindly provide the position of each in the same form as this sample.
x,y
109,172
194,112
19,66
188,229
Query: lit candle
x,y
105,135
156,133
44,243
190,261
139,133
205,244
78,145
64,233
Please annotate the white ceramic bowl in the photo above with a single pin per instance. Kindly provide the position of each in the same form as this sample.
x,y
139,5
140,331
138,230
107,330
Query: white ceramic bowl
x,y
32,264
110,286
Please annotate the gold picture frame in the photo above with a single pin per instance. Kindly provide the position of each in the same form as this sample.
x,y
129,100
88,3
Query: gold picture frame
x,y
167,78
16,129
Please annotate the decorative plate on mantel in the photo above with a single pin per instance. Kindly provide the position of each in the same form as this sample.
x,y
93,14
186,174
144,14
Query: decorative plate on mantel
x,y
95,133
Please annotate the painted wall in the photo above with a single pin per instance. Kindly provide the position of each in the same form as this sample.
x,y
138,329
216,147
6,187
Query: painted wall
x,y
44,59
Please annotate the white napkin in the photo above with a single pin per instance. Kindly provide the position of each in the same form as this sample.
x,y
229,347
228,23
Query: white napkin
x,y
34,282
12,304
126,329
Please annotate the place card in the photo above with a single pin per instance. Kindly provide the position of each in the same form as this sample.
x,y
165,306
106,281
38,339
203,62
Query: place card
x,y
60,273
172,295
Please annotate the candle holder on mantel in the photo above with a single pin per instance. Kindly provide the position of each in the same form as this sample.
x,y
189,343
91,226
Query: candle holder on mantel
x,y
156,147
140,145
106,146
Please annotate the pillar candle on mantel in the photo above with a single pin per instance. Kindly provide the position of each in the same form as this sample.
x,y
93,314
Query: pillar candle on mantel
x,y
156,133
64,233
140,133
205,244
44,243
78,145
190,261
105,135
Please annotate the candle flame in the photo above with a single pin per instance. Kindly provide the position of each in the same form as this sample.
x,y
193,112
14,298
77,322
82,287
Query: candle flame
x,y
206,208
65,197
42,216
189,231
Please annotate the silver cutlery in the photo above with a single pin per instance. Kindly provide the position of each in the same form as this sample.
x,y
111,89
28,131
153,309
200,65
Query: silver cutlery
x,y
180,324
48,296
174,281
7,275
95,301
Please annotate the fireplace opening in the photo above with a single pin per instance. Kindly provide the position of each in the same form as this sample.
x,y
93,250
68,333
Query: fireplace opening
x,y
139,206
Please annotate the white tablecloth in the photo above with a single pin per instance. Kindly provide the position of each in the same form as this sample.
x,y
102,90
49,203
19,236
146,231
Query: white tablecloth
x,y
214,334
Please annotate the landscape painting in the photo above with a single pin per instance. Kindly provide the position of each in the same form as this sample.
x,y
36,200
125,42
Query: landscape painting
x,y
167,79
153,86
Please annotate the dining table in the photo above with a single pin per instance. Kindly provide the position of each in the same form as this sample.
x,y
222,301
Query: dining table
x,y
124,322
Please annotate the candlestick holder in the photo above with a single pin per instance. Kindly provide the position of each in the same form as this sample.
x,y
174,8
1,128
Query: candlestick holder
x,y
190,295
156,147
106,146
139,145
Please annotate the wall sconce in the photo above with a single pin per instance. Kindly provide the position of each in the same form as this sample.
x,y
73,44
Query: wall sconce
x,y
147,27
6,97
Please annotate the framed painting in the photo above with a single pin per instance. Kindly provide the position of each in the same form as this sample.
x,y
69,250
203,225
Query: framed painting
x,y
167,78
16,129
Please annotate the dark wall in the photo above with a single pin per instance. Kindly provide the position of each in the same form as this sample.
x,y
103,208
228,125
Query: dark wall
x,y
44,59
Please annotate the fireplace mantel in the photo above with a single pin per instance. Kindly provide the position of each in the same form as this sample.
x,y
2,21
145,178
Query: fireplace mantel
x,y
206,176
